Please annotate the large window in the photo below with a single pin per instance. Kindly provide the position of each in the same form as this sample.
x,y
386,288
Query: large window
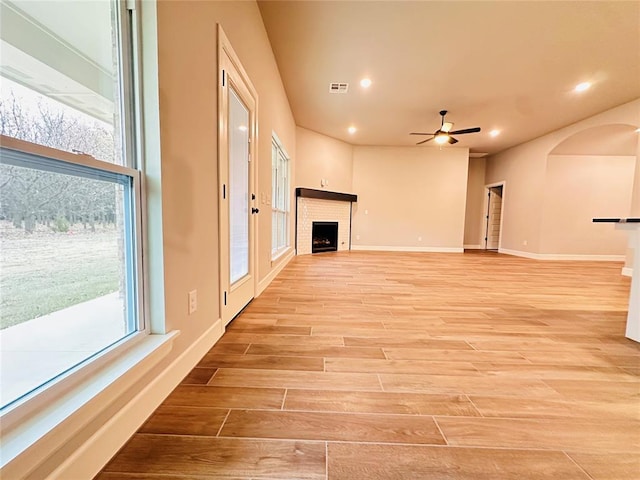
x,y
70,199
279,199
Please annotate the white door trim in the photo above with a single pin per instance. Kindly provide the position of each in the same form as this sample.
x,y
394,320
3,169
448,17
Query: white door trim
x,y
485,209
228,60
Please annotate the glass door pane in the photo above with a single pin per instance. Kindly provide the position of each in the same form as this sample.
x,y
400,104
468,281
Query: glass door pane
x,y
238,188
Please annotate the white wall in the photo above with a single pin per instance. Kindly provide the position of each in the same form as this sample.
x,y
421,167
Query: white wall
x,y
321,157
409,198
524,168
578,188
474,219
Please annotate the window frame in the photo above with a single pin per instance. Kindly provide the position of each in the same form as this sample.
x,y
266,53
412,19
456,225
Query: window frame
x,y
129,56
278,250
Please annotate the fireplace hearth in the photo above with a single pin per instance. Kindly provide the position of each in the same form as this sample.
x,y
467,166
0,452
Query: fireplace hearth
x,y
324,237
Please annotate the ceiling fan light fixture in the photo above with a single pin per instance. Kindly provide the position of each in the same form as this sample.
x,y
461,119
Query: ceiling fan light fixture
x,y
441,138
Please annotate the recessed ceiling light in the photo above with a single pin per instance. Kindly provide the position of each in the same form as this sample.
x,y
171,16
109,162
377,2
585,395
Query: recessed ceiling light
x,y
352,130
637,130
365,83
494,133
581,87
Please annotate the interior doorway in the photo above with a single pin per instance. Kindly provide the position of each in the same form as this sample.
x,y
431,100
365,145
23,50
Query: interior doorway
x,y
237,114
493,231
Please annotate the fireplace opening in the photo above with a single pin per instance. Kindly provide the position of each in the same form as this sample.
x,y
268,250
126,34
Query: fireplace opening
x,y
324,237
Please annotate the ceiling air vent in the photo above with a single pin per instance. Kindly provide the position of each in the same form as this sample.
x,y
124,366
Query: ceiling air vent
x,y
336,87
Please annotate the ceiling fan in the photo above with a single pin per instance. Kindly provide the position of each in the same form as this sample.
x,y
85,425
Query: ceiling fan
x,y
443,134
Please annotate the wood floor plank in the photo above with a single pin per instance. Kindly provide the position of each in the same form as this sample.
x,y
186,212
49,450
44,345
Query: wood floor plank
x,y
327,321
181,420
401,462
333,426
454,355
598,391
175,455
162,476
385,342
226,397
523,407
234,377
470,385
229,348
269,329
379,402
577,435
581,358
316,351
422,367
609,466
198,376
268,362
551,346
555,372
280,339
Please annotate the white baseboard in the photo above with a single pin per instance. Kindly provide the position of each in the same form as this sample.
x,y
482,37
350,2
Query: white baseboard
x,y
282,262
517,253
562,256
94,454
627,271
382,248
473,247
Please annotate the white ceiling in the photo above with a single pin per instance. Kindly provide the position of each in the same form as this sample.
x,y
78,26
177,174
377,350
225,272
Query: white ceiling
x,y
497,65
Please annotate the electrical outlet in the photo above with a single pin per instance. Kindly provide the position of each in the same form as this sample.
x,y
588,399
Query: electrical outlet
x,y
419,239
524,242
357,237
193,301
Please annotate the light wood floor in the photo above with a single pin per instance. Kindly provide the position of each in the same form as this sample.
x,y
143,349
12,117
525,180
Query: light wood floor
x,y
363,365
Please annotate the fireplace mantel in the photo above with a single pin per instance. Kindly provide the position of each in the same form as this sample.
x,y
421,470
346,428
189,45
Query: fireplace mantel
x,y
325,195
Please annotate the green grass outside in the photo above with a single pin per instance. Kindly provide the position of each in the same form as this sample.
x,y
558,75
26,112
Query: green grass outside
x,y
45,272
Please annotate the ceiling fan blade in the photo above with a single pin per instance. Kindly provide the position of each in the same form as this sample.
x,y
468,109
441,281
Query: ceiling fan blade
x,y
424,141
452,141
446,127
466,130
420,133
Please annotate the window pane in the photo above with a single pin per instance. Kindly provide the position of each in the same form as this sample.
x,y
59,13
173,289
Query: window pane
x,y
60,76
281,229
238,188
280,198
285,183
274,172
66,271
274,231
281,185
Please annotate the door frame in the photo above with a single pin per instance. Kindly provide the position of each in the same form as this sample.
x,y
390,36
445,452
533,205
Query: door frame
x,y
485,211
226,55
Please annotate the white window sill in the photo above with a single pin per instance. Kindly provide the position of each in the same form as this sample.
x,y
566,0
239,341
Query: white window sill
x,y
39,435
279,255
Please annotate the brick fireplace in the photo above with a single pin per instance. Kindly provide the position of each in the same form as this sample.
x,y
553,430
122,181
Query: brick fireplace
x,y
322,208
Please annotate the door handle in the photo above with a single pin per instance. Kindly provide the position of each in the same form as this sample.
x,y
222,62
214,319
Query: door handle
x,y
255,210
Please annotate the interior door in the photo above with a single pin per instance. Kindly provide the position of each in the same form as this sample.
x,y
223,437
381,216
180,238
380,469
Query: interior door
x,y
494,216
237,132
